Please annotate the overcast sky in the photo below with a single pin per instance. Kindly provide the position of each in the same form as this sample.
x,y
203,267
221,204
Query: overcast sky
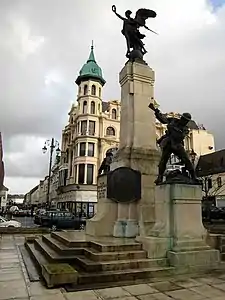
x,y
44,43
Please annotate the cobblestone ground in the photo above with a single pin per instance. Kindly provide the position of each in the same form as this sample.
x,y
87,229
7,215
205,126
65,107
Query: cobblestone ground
x,y
14,283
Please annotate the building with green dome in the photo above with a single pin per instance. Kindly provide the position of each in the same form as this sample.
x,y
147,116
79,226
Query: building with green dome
x,y
91,70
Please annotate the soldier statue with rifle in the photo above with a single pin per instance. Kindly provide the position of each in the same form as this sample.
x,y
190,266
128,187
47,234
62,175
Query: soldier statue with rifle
x,y
173,143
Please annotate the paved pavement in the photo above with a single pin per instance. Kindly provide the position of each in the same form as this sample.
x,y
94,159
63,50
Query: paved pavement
x,y
14,283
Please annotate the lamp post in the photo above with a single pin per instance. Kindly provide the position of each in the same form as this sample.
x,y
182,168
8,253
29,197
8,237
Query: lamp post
x,y
52,145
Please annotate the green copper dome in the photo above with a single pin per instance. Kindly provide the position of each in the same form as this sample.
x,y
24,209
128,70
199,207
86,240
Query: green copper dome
x,y
90,70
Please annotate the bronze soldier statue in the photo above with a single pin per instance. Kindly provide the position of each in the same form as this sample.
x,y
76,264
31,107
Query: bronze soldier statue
x,y
105,166
173,142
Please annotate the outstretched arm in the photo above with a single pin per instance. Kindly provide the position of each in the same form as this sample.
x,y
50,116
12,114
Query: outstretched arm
x,y
119,16
159,116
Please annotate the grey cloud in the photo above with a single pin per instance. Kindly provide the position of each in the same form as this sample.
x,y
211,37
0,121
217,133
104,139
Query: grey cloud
x,y
188,59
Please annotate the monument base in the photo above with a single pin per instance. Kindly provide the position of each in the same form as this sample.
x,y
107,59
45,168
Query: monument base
x,y
178,233
125,228
193,259
102,224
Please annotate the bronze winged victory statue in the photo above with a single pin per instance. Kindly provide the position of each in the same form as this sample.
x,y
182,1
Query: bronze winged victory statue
x,y
135,45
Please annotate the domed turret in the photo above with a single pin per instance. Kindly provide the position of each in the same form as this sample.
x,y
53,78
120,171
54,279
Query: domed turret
x,y
90,70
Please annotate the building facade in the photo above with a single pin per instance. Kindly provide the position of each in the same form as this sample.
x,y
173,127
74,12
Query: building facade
x,y
93,129
211,169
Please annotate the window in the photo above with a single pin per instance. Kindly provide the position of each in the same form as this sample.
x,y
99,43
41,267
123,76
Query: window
x,y
67,156
76,150
219,182
81,173
85,89
99,92
79,90
65,175
71,163
75,173
83,127
92,107
85,107
82,149
91,149
91,127
114,113
93,90
90,171
110,131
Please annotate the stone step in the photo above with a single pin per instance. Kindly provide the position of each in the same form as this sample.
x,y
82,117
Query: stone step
x,y
36,256
116,255
90,266
116,247
61,248
50,254
90,279
92,253
64,238
123,275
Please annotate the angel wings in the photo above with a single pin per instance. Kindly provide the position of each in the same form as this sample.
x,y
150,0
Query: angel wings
x,y
143,14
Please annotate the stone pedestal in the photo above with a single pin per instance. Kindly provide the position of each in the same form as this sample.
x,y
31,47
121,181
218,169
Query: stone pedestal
x,y
102,224
137,147
178,232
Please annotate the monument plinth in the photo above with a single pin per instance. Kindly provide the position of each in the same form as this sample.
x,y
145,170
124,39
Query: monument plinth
x,y
178,233
137,147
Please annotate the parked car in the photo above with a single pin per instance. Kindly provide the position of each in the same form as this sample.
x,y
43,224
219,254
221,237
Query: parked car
x,y
21,213
12,223
37,216
61,220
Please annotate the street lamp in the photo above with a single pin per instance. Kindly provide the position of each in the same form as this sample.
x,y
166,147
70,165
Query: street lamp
x,y
52,145
193,156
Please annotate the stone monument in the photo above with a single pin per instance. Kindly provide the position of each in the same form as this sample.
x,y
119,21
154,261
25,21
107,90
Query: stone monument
x,y
138,150
165,218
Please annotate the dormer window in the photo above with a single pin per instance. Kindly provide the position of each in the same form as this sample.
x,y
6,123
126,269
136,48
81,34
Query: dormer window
x,y
114,113
93,90
110,131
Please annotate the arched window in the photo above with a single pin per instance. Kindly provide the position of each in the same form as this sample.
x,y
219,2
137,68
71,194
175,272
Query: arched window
x,y
85,89
92,107
93,90
85,107
114,113
79,90
110,131
100,92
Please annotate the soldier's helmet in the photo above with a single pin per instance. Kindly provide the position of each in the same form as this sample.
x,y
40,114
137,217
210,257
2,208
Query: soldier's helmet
x,y
186,116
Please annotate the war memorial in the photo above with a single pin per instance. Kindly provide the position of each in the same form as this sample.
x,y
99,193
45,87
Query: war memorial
x,y
146,225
